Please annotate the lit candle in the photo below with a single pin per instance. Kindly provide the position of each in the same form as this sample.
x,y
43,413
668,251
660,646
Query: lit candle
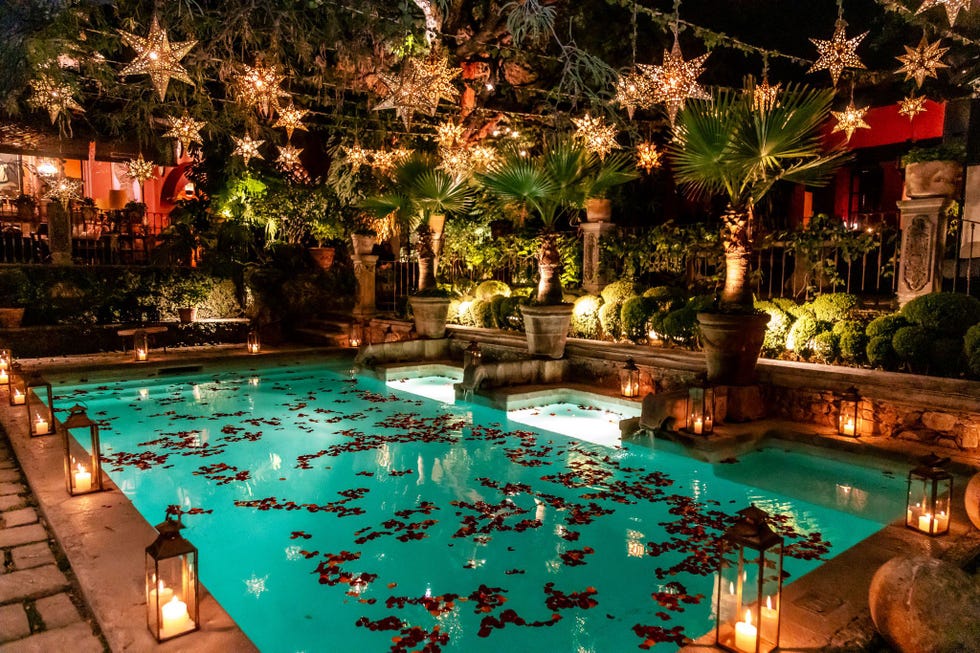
x,y
4,378
175,619
41,425
141,354
18,396
728,603
848,428
698,426
3,363
165,593
942,522
768,617
253,348
925,521
745,633
83,480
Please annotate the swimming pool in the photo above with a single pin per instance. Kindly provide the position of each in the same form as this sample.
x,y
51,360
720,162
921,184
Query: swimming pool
x,y
338,513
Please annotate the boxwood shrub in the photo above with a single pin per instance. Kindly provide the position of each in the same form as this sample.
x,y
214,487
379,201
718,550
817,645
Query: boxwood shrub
x,y
950,314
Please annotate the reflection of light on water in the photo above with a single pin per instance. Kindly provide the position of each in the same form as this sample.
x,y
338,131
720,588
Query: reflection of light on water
x,y
254,381
852,497
196,391
255,585
294,552
439,388
144,393
635,546
275,461
383,457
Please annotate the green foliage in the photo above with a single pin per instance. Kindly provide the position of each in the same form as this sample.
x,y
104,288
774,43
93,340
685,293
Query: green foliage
x,y
971,341
481,313
973,364
886,325
945,313
666,297
826,347
618,292
818,247
795,310
777,330
880,352
945,356
634,315
585,317
947,151
497,306
833,307
488,289
912,345
804,330
610,320
15,288
852,340
662,250
681,325
511,312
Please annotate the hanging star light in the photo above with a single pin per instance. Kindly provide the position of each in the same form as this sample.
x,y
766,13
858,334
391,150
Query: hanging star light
x,y
356,156
291,118
157,57
765,96
849,120
647,156
838,53
596,135
449,134
258,87
912,106
247,148
676,80
185,130
54,96
65,189
139,169
482,157
456,161
922,61
952,8
634,91
288,157
422,84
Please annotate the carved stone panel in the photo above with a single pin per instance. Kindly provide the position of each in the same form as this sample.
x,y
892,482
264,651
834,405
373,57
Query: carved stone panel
x,y
917,254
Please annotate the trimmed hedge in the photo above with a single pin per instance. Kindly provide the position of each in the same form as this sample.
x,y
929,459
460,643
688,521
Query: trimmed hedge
x,y
950,314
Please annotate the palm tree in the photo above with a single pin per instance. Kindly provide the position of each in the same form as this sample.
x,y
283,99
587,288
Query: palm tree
x,y
730,146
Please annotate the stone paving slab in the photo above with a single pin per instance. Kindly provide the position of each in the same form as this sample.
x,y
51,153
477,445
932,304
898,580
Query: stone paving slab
x,y
12,488
13,622
20,517
31,583
57,611
9,475
11,501
22,535
32,555
77,638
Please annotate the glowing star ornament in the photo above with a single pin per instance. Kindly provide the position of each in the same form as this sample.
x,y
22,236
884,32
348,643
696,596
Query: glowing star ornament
x,y
647,156
157,57
912,106
247,148
676,80
596,135
258,87
849,120
65,189
356,156
54,96
449,134
765,96
185,130
922,61
422,84
952,7
139,169
633,91
290,118
482,157
288,157
838,53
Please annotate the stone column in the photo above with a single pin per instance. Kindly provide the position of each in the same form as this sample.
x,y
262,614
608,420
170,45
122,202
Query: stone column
x,y
59,234
364,269
593,275
923,243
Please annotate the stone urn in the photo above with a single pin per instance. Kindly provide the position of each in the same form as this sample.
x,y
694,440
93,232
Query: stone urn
x,y
187,314
323,256
547,329
732,343
429,314
11,317
598,210
363,243
933,179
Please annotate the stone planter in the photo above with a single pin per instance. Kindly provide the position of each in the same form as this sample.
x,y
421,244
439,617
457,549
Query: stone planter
x,y
933,179
732,343
187,314
363,244
547,329
323,256
430,314
598,210
10,318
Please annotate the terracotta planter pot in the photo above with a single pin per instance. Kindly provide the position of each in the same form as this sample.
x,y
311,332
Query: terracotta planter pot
x,y
430,314
598,210
10,318
187,314
732,343
323,256
546,328
933,179
363,244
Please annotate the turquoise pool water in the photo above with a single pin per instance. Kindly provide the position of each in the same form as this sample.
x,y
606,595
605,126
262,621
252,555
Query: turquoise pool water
x,y
340,514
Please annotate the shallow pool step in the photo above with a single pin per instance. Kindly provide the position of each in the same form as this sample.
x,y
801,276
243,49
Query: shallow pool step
x,y
323,331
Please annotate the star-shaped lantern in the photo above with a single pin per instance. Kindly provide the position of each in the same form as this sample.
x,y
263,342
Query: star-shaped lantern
x,y
922,61
765,96
289,157
139,169
912,106
456,161
247,148
65,189
449,134
482,157
157,57
185,130
356,156
291,118
647,156
952,7
676,80
422,84
849,120
596,135
634,91
56,97
838,53
259,87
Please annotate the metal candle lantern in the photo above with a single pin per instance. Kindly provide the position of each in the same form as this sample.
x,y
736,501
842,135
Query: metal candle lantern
x,y
701,408
253,344
172,587
15,385
141,346
40,405
629,379
748,590
78,479
847,414
472,354
5,360
930,489
356,335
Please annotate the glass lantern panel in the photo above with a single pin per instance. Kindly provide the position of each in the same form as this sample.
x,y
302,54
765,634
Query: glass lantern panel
x,y
746,623
630,383
39,414
17,389
141,346
253,343
83,467
848,419
171,600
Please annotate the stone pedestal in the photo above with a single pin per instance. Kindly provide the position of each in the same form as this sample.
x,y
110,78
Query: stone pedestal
x,y
364,270
593,275
923,242
59,234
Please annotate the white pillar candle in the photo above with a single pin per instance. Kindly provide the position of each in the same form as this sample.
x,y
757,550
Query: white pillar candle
x,y
3,376
141,354
745,633
698,426
18,397
83,480
41,425
769,617
175,619
924,522
942,522
164,592
848,428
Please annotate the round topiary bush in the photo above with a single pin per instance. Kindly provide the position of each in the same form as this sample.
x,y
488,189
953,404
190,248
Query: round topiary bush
x,y
973,364
804,330
681,325
851,340
585,317
946,313
791,307
666,297
609,319
488,289
496,314
971,341
825,347
880,352
634,315
912,345
480,314
777,330
946,356
618,292
886,325
833,307
510,312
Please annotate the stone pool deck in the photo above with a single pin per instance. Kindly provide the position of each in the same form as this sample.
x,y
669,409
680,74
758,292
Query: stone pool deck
x,y
98,603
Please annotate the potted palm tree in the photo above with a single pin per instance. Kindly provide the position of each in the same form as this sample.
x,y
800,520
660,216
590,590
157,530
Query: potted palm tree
x,y
603,175
731,147
544,187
